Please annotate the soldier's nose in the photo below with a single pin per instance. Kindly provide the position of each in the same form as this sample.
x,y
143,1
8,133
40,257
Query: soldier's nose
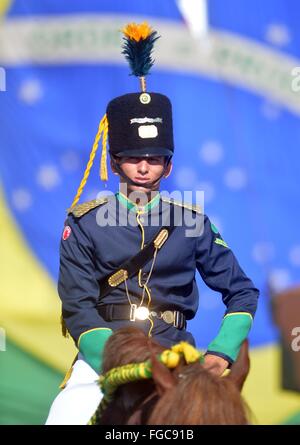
x,y
143,167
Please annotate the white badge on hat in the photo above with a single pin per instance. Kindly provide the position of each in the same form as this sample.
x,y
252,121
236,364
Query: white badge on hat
x,y
148,131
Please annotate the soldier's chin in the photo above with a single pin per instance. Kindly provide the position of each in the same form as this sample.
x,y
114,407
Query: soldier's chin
x,y
143,188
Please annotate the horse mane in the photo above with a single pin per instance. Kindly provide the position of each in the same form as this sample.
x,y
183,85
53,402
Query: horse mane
x,y
129,345
187,395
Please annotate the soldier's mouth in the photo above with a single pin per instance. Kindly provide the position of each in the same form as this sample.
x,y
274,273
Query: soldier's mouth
x,y
142,180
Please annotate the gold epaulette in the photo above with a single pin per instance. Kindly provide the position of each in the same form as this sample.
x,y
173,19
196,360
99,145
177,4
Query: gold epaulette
x,y
192,207
82,209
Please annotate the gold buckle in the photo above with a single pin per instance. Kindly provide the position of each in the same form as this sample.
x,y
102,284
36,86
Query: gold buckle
x,y
161,238
140,313
118,277
132,312
168,316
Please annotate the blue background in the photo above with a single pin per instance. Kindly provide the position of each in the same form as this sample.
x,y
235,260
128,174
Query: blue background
x,y
55,133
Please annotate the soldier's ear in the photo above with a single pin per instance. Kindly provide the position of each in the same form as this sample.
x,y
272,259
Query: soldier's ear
x,y
113,167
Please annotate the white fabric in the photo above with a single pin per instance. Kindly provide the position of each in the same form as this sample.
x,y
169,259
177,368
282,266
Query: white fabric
x,y
78,401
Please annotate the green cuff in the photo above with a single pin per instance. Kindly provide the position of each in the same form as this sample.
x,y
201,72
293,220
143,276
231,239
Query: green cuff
x,y
233,332
91,345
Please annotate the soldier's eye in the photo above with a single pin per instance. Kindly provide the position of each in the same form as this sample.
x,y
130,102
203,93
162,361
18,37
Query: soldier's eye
x,y
155,160
131,160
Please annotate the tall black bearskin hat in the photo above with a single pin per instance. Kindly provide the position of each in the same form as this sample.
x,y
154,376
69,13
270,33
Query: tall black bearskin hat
x,y
135,124
140,125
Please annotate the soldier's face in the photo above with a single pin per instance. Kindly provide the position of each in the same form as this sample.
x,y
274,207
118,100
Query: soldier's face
x,y
144,171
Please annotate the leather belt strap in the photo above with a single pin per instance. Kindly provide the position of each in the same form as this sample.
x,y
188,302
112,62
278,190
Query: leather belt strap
x,y
112,312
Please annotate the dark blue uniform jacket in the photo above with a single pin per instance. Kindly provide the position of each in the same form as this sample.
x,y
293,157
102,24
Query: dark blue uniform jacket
x,y
101,235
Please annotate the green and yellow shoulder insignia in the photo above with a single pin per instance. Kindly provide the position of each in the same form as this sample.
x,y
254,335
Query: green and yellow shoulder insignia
x,y
81,209
194,208
221,242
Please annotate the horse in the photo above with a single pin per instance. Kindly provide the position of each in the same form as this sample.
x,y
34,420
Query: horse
x,y
185,394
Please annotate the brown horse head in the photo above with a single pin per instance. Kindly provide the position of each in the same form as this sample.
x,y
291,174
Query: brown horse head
x,y
186,395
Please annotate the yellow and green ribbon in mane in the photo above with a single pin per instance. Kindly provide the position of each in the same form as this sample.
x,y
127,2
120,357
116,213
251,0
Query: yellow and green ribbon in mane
x,y
133,372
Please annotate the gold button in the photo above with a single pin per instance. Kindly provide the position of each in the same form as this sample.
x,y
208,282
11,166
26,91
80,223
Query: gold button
x,y
168,317
145,98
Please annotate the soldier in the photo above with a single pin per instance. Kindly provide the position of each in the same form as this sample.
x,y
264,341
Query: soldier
x,y
131,258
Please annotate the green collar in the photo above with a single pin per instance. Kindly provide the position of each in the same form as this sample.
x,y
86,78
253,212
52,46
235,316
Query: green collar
x,y
130,205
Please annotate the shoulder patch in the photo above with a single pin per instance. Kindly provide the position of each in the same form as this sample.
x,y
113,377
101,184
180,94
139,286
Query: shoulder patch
x,y
221,242
194,208
81,209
